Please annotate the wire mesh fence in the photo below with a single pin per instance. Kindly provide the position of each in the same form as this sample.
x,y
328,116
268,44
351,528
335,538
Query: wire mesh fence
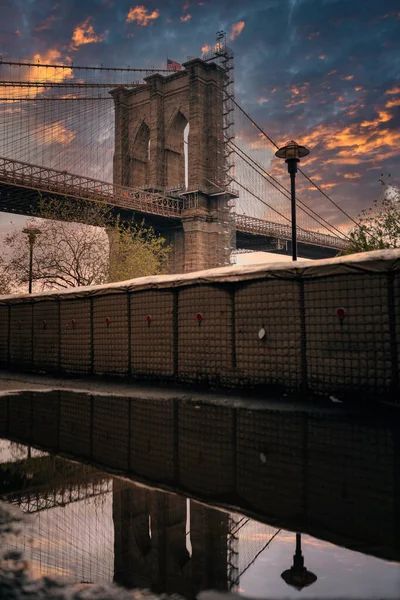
x,y
330,474
330,328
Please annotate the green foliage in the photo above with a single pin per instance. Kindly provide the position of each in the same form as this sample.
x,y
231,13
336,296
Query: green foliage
x,y
72,248
379,225
136,252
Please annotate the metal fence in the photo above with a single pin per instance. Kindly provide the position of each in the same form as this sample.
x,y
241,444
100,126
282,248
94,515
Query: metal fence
x,y
333,327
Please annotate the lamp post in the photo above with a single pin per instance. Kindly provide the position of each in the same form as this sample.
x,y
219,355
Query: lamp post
x,y
292,153
298,575
32,234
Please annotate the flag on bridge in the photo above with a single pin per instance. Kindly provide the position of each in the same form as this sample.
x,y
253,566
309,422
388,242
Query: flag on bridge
x,y
173,66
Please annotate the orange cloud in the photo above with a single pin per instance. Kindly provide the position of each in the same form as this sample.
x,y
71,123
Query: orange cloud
x,y
186,18
141,16
46,24
356,143
39,73
358,89
262,100
322,57
395,90
84,33
351,175
205,49
344,161
348,78
18,33
50,57
383,117
392,103
299,95
237,29
56,133
352,109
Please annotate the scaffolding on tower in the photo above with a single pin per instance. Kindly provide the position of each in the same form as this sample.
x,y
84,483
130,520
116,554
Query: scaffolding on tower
x,y
223,56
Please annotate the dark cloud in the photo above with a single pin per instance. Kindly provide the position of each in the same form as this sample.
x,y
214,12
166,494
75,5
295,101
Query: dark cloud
x,y
316,70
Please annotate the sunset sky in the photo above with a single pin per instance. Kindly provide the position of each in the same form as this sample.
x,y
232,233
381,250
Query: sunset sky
x,y
324,72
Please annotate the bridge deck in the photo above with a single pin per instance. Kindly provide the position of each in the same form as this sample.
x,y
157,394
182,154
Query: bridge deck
x,y
34,178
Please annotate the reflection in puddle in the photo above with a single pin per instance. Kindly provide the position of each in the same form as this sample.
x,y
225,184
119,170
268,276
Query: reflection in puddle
x,y
329,475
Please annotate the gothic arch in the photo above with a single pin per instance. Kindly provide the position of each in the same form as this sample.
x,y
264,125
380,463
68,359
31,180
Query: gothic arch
x,y
140,157
175,162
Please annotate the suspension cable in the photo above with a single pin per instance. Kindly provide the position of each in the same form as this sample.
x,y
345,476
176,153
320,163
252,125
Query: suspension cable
x,y
72,66
318,218
300,170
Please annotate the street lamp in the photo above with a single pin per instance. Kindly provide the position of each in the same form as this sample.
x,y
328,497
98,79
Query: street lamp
x,y
32,233
292,153
298,575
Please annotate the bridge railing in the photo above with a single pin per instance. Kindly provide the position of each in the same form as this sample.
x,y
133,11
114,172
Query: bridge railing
x,y
63,183
256,226
85,188
33,501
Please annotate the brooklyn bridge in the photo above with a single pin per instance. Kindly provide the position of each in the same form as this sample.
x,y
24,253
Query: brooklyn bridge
x,y
172,148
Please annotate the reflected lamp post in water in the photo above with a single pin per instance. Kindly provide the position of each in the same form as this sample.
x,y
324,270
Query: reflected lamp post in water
x,y
32,234
292,153
298,575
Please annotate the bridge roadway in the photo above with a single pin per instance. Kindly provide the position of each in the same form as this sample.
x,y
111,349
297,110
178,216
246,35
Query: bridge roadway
x,y
20,183
41,483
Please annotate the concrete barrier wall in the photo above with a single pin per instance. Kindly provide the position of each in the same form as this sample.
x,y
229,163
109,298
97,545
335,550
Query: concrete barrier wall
x,y
329,326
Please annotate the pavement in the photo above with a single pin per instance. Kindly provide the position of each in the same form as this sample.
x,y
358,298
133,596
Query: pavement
x,y
235,398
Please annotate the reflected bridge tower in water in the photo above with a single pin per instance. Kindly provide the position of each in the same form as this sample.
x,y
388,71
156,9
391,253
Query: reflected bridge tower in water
x,y
168,543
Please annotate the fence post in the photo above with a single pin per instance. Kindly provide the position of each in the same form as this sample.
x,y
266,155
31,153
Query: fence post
x,y
128,299
303,338
175,334
91,337
59,335
392,332
8,335
233,324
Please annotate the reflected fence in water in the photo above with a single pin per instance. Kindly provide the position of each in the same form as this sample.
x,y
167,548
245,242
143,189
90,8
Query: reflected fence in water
x,y
332,475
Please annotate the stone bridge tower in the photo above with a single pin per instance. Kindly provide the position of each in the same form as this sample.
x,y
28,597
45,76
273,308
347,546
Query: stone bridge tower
x,y
170,136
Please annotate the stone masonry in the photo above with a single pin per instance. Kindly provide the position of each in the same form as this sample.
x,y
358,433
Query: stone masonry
x,y
150,121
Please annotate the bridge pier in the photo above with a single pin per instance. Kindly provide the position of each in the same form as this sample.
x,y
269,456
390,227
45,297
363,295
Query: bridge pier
x,y
206,241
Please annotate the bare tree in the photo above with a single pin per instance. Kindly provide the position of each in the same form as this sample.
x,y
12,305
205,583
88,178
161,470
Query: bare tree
x,y
73,248
6,277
